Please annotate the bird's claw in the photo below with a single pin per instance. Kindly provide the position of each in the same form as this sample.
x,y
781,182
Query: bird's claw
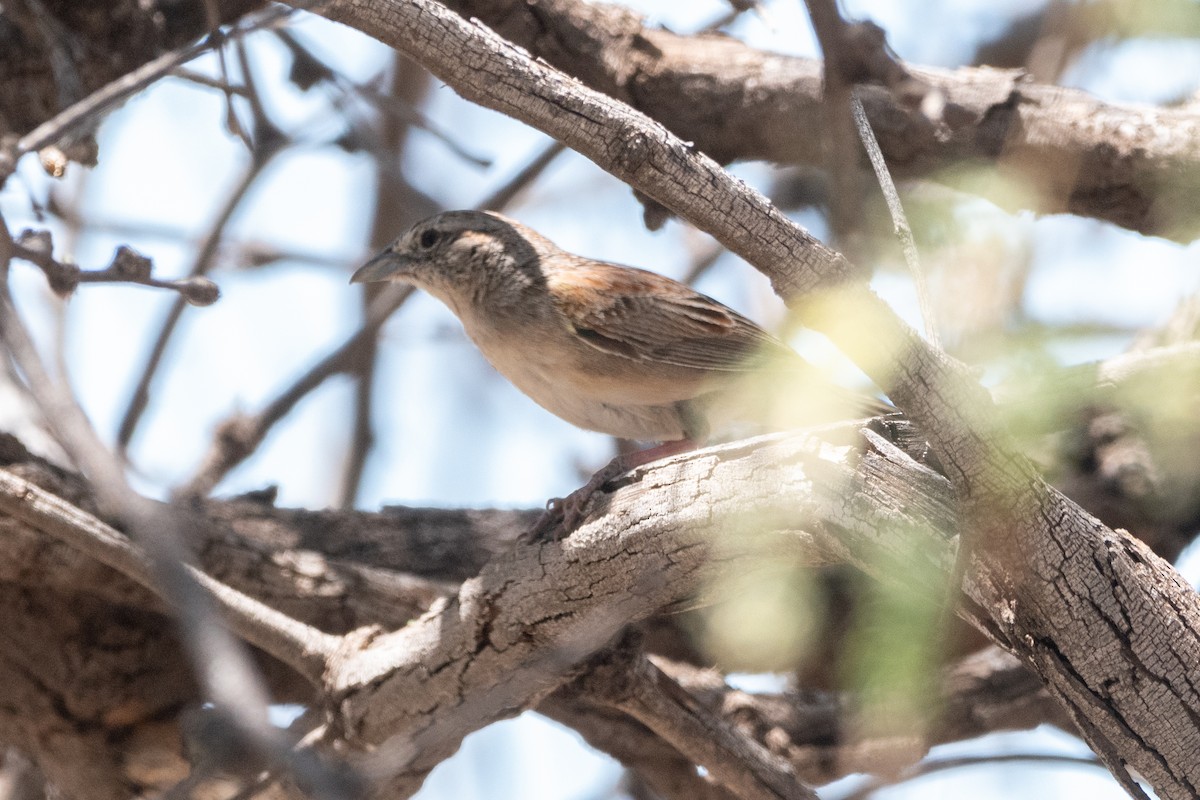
x,y
564,514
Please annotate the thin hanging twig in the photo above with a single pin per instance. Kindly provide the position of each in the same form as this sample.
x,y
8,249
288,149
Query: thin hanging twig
x,y
899,220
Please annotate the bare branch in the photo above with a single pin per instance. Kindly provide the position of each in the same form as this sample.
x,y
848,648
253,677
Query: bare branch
x,y
899,221
127,266
984,693
538,608
1132,166
652,761
932,767
205,258
238,437
508,192
515,632
628,681
305,649
1129,165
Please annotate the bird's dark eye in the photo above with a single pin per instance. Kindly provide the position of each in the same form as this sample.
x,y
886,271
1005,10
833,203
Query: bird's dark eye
x,y
429,239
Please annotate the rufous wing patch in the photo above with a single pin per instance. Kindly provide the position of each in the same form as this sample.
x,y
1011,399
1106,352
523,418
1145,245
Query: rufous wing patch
x,y
647,317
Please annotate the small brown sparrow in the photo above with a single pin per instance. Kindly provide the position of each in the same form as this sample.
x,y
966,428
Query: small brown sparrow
x,y
609,348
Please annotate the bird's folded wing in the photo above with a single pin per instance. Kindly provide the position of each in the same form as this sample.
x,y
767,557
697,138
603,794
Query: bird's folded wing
x,y
644,316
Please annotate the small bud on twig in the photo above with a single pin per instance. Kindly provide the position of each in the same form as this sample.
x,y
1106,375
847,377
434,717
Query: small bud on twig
x,y
130,265
198,291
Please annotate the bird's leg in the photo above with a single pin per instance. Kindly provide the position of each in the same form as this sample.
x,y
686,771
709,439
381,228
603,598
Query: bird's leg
x,y
563,514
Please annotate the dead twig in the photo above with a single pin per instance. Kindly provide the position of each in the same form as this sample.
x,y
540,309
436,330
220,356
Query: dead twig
x,y
127,266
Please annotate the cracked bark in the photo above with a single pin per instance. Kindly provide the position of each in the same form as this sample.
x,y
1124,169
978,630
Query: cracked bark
x,y
515,632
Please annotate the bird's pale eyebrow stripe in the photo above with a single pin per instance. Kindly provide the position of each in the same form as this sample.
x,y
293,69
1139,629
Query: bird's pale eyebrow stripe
x,y
475,237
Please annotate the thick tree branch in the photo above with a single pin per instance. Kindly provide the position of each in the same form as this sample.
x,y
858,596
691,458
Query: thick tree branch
x,y
304,649
514,633
654,762
984,693
1067,151
626,680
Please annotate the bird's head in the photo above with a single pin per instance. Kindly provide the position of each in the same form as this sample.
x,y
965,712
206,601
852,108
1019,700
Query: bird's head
x,y
463,257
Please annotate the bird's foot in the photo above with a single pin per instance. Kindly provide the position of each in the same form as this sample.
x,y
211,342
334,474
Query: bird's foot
x,y
563,514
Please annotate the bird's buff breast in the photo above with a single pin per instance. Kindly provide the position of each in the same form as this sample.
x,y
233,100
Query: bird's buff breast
x,y
589,388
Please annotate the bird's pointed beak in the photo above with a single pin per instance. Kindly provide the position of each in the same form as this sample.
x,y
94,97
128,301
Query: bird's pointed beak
x,y
384,266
